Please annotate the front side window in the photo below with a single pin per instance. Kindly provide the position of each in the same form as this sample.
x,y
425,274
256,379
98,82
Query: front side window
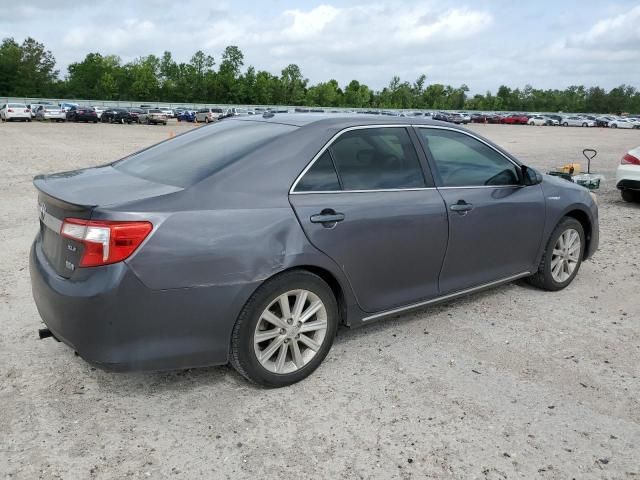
x,y
377,159
463,161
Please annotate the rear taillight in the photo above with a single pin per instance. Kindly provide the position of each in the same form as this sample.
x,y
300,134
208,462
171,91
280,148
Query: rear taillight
x,y
629,159
105,242
10,110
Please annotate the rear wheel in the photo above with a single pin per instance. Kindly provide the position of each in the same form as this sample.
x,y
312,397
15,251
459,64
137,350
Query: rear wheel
x,y
565,124
614,125
585,125
562,256
285,330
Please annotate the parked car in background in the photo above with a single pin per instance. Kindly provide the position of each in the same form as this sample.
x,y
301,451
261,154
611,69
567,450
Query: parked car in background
x,y
623,123
207,115
479,118
98,111
551,120
186,116
515,119
15,111
440,116
51,112
168,112
557,118
538,120
135,112
67,105
575,121
628,176
152,262
82,114
116,115
152,116
466,117
33,107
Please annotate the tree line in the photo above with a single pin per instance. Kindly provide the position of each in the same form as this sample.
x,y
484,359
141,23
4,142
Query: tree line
x,y
29,70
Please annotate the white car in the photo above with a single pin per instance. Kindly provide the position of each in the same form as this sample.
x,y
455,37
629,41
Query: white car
x,y
628,176
98,110
168,112
15,111
537,120
623,123
576,121
51,112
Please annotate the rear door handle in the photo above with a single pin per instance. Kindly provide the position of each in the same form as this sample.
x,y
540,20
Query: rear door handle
x,y
461,207
327,216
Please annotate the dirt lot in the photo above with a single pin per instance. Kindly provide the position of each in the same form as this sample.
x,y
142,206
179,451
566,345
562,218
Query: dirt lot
x,y
514,382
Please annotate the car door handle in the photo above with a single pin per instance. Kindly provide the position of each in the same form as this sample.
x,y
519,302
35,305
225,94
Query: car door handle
x,y
461,207
327,216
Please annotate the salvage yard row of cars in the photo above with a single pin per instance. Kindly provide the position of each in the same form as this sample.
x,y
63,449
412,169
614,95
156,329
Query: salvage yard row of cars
x,y
149,114
144,114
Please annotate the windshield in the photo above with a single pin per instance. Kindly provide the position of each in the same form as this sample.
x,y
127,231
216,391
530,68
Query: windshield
x,y
188,158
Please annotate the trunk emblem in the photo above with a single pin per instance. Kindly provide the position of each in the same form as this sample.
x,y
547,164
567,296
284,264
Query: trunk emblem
x,y
42,210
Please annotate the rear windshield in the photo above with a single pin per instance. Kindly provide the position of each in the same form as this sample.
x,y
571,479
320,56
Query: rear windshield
x,y
188,158
17,105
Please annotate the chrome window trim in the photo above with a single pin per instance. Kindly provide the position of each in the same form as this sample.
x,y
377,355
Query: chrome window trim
x,y
310,192
329,143
443,298
416,126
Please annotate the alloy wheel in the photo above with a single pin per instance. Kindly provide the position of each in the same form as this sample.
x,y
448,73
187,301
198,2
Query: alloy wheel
x,y
290,331
566,255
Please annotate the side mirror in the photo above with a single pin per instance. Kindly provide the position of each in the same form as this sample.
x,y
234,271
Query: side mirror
x,y
531,176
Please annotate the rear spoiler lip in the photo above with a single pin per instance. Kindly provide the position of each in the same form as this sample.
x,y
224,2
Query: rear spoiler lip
x,y
40,182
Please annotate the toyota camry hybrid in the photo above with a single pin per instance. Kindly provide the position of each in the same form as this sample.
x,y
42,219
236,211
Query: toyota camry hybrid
x,y
251,240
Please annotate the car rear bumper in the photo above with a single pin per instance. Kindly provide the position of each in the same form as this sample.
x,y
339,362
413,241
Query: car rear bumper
x,y
111,319
628,177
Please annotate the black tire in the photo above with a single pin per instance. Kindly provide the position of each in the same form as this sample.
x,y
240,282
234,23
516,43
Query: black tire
x,y
543,278
630,195
585,125
164,123
614,125
242,354
565,124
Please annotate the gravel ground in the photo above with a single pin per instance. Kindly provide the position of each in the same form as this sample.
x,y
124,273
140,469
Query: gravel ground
x,y
513,382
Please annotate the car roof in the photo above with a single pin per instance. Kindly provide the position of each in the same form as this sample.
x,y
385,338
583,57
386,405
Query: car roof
x,y
338,120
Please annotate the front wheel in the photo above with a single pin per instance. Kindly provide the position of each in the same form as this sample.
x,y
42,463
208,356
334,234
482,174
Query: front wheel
x,y
614,125
285,330
585,125
562,257
565,124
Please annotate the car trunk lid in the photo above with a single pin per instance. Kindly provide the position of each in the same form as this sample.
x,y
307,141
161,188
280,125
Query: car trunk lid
x,y
75,195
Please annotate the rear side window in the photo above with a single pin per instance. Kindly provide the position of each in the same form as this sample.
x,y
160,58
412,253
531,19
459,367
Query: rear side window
x,y
377,159
321,177
463,161
188,158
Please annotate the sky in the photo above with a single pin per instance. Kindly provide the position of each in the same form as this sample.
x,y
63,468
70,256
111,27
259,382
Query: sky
x,y
481,43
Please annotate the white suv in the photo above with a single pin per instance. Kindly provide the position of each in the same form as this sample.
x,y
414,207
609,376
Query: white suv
x,y
628,176
15,111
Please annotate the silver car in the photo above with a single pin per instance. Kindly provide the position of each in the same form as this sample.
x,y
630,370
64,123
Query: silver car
x,y
576,121
207,115
51,112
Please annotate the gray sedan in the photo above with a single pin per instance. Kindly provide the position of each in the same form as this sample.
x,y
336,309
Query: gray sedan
x,y
251,240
